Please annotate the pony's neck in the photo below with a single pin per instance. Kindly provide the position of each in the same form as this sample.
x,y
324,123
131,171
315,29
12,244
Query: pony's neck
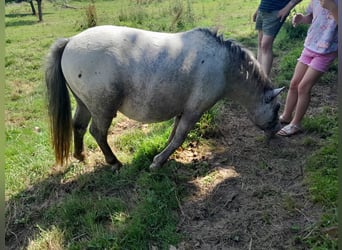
x,y
248,96
254,83
246,88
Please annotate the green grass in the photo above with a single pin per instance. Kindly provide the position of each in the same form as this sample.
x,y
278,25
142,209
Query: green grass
x,y
84,208
323,123
322,178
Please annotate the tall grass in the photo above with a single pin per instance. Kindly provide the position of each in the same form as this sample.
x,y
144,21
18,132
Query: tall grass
x,y
91,16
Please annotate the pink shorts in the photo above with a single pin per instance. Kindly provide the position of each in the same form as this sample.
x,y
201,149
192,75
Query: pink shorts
x,y
320,62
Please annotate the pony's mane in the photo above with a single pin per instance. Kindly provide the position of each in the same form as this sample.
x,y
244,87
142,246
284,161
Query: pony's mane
x,y
242,54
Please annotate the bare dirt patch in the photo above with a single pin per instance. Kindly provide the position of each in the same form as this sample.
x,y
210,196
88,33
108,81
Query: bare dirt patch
x,y
255,196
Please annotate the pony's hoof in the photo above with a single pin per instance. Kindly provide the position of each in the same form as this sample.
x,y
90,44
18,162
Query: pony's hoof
x,y
154,166
116,166
80,157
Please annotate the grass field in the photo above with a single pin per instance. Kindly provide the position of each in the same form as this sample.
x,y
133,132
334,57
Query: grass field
x,y
27,43
75,209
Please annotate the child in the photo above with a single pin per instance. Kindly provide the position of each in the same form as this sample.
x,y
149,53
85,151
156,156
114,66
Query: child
x,y
320,50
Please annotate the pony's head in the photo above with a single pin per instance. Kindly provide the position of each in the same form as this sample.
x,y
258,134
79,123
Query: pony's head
x,y
260,98
265,114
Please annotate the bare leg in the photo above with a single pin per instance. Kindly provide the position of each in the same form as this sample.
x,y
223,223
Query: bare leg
x,y
186,123
80,124
292,95
304,89
259,56
265,52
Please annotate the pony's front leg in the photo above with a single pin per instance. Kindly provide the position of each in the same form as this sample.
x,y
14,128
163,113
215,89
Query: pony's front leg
x,y
182,127
175,125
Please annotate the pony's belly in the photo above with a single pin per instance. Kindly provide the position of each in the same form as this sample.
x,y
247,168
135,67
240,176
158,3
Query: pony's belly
x,y
145,114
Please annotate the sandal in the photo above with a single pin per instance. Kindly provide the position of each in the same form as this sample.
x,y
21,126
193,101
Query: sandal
x,y
289,130
283,121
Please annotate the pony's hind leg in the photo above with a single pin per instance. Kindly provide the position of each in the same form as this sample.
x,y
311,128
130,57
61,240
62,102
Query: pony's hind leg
x,y
80,125
175,125
99,129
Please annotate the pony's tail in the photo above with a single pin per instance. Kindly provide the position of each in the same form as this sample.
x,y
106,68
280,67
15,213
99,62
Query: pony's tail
x,y
58,102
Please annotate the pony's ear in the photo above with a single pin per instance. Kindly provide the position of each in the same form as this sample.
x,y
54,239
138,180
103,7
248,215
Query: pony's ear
x,y
272,93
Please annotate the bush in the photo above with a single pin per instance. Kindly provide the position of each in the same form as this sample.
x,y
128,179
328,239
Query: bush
x,y
91,16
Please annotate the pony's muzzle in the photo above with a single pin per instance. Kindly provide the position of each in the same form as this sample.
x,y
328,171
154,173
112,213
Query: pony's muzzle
x,y
269,133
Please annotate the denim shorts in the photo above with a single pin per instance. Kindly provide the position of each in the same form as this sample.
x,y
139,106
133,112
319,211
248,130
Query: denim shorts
x,y
268,22
320,62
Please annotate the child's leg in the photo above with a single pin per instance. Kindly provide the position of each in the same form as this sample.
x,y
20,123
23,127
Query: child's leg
x,y
299,93
318,65
304,89
292,95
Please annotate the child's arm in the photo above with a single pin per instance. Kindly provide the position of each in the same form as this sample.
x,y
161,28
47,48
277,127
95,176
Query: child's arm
x,y
331,6
283,13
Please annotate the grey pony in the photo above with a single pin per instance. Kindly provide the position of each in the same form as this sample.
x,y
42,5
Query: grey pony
x,y
149,77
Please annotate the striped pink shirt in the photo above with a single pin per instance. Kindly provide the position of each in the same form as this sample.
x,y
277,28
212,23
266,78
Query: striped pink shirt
x,y
322,35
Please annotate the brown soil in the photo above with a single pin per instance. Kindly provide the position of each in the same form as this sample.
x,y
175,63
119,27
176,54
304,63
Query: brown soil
x,y
255,196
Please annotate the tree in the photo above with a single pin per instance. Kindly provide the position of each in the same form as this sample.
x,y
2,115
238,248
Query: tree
x,y
32,7
40,13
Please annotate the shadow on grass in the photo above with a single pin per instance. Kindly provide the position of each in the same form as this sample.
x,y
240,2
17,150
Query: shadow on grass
x,y
20,23
20,19
130,209
16,15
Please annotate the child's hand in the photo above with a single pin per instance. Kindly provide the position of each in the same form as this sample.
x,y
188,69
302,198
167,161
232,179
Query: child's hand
x,y
255,16
297,19
283,13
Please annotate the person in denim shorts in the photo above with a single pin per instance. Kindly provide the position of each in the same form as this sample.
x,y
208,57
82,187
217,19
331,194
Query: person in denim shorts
x,y
269,18
320,50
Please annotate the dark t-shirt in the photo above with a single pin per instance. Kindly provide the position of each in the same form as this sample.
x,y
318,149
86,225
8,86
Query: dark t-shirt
x,y
272,5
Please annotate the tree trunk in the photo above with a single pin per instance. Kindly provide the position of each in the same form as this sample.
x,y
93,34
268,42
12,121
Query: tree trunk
x,y
32,7
40,14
